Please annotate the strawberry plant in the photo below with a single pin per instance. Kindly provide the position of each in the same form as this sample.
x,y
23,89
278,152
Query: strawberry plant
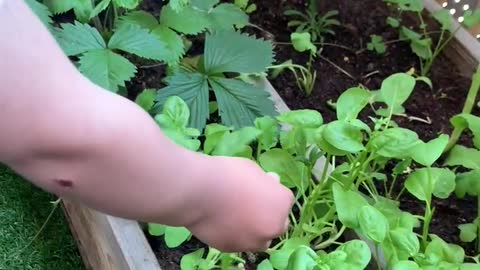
x,y
226,52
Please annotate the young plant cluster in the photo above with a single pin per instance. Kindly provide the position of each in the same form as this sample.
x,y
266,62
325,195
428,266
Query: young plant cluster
x,y
422,41
342,172
340,176
106,37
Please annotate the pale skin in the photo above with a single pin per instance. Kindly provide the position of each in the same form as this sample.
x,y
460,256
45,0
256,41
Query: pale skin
x,y
83,143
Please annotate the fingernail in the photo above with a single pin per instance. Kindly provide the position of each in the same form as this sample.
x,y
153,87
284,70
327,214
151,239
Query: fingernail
x,y
267,246
274,175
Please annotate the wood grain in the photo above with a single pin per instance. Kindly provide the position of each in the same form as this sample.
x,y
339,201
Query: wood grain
x,y
109,243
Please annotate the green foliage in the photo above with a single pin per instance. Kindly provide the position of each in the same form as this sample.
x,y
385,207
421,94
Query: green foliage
x,y
82,8
325,200
174,122
377,44
421,41
146,99
174,236
246,6
239,103
312,22
42,12
302,42
202,15
174,47
99,60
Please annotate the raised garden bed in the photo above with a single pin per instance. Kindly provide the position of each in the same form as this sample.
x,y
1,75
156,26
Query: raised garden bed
x,y
346,62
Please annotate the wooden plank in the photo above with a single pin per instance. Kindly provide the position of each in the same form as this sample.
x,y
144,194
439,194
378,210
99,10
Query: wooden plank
x,y
109,243
464,49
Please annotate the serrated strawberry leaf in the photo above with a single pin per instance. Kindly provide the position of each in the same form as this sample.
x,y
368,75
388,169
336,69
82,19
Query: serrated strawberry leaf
x,y
172,41
59,6
193,89
140,18
228,51
225,16
134,39
82,10
239,103
99,8
78,38
106,68
188,21
42,12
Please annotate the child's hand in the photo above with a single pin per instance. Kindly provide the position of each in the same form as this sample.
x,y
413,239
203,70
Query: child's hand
x,y
246,207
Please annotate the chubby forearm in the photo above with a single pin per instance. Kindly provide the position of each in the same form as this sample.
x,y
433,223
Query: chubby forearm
x,y
84,143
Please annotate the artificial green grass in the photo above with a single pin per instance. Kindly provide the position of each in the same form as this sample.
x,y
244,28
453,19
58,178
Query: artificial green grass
x,y
23,210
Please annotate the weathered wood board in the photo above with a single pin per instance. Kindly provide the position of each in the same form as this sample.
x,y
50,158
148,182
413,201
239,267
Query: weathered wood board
x,y
109,243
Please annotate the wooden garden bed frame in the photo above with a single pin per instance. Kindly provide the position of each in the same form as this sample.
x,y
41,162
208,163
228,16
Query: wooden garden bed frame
x,y
111,243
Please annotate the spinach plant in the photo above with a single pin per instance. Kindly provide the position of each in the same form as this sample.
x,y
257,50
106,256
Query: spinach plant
x,y
334,166
467,159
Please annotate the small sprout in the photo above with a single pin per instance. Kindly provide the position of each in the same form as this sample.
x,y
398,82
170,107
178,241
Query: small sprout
x,y
377,44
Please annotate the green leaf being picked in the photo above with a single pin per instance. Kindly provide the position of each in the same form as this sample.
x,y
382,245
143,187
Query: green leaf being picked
x,y
292,173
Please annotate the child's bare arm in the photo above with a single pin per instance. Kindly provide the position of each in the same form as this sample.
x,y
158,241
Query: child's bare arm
x,y
82,142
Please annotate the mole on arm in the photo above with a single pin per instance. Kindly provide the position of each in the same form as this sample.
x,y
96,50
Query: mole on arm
x,y
64,183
